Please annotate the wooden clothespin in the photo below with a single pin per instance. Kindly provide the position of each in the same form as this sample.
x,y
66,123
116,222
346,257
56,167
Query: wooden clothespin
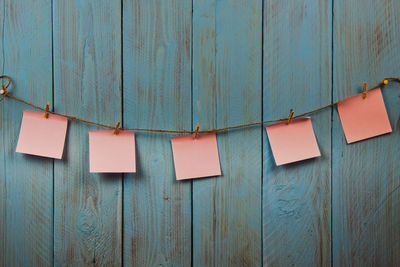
x,y
196,133
46,113
364,90
290,116
116,127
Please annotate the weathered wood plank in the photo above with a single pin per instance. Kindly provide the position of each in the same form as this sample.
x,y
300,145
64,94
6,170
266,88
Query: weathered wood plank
x,y
3,155
87,83
26,181
297,68
366,195
157,94
227,90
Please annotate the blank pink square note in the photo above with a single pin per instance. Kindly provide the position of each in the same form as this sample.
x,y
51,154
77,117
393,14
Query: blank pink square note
x,y
112,153
42,136
196,158
364,118
292,142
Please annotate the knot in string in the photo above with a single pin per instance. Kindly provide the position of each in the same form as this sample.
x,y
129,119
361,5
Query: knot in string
x,y
4,91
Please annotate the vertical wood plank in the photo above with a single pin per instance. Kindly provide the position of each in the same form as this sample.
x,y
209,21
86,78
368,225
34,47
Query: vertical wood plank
x,y
3,155
157,94
87,83
366,195
26,181
227,90
297,74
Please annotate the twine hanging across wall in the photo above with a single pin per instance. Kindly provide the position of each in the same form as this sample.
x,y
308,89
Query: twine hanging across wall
x,y
4,92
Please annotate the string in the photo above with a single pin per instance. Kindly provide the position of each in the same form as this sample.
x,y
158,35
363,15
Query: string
x,y
5,94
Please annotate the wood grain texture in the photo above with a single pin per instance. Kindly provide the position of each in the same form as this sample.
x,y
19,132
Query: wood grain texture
x,y
297,68
171,64
3,155
87,83
366,177
26,181
226,91
157,94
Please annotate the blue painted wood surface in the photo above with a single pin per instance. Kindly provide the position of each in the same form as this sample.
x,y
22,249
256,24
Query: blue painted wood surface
x,y
226,232
366,175
297,75
174,63
87,82
26,181
157,76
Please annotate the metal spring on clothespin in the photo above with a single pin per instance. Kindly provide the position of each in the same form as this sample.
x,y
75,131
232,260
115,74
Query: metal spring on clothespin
x,y
364,90
116,127
46,112
290,116
196,133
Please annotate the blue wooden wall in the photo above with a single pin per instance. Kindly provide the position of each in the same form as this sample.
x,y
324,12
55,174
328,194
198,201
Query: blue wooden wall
x,y
173,63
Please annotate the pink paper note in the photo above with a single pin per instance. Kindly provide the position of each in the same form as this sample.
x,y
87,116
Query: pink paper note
x,y
293,142
364,118
42,137
196,158
112,153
